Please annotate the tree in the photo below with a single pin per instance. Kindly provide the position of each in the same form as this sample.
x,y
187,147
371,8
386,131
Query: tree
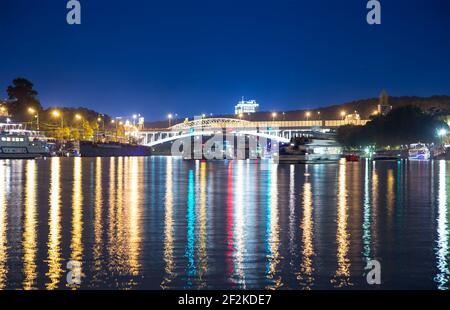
x,y
63,133
88,132
75,133
402,126
22,97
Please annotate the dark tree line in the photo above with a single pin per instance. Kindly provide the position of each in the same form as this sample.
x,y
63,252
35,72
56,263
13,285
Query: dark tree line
x,y
22,96
404,125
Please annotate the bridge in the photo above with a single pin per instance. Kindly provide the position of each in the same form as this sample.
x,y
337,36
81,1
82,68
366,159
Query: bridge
x,y
281,131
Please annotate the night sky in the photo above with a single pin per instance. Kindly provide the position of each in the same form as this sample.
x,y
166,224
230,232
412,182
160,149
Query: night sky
x,y
200,56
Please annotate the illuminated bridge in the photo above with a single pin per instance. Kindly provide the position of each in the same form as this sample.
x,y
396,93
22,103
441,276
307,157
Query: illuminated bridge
x,y
281,131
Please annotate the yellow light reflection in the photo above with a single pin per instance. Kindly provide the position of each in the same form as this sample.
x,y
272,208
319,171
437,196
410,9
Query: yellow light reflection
x,y
76,245
202,257
118,247
54,236
390,195
98,226
3,226
342,275
112,242
307,269
29,234
168,227
134,209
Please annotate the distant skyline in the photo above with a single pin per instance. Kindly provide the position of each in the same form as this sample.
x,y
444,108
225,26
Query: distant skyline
x,y
200,56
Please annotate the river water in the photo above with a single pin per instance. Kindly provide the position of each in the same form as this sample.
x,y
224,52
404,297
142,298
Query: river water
x,y
165,223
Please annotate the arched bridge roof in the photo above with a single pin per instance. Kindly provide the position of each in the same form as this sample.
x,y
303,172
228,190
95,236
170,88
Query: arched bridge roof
x,y
212,123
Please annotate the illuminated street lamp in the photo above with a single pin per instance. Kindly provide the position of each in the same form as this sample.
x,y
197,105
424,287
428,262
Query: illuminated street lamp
x,y
36,116
113,121
170,116
78,117
442,133
274,115
101,119
135,116
308,114
240,115
343,114
57,114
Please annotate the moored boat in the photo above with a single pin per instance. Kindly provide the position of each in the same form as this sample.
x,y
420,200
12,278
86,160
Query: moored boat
x,y
303,150
18,143
438,152
352,157
418,151
389,155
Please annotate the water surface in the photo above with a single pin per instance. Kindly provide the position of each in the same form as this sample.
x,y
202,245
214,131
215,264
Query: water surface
x,y
165,223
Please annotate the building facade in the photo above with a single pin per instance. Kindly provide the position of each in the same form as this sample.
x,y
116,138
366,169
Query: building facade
x,y
243,106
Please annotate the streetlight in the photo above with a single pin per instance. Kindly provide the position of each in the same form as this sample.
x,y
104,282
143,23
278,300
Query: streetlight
x,y
343,114
308,114
442,133
240,115
318,114
57,114
274,115
170,119
36,115
101,119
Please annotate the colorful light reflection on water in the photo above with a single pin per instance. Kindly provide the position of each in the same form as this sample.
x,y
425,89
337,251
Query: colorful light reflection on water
x,y
164,223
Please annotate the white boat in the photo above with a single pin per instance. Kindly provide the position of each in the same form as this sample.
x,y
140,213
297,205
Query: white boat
x,y
304,150
17,143
418,151
438,151
389,155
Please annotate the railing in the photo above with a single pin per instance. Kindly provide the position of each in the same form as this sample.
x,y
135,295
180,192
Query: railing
x,y
233,123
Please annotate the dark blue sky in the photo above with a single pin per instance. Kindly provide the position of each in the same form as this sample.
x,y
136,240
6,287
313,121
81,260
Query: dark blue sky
x,y
200,56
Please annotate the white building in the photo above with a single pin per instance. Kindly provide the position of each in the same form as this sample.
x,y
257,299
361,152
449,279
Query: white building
x,y
243,106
